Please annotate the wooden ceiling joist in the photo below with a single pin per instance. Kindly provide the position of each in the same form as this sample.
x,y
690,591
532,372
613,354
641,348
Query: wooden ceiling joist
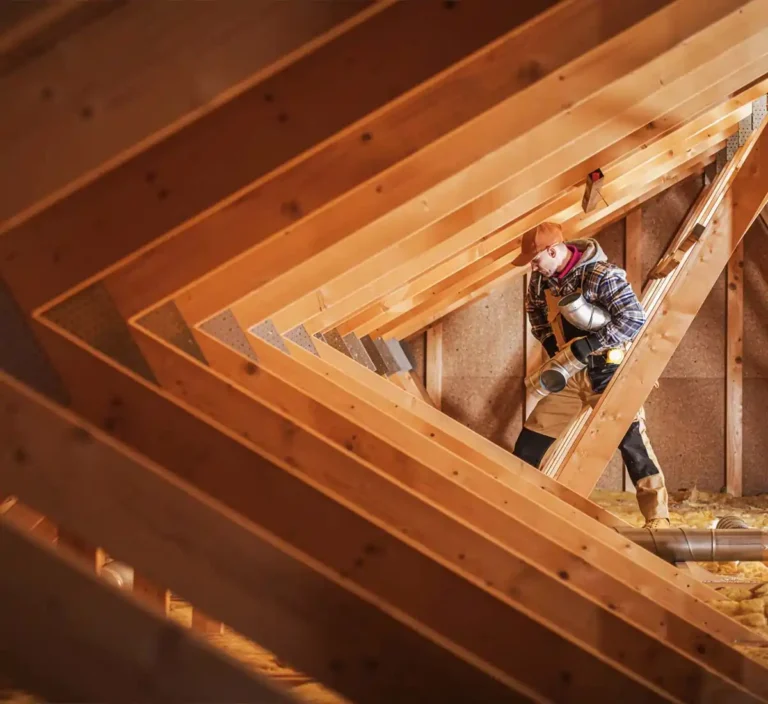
x,y
526,135
743,187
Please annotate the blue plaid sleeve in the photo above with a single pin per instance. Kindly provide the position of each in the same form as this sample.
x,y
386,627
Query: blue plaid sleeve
x,y
536,308
610,289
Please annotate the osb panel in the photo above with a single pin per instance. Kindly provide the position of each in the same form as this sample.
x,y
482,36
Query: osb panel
x,y
612,477
20,354
756,303
686,421
490,406
755,437
486,339
611,239
662,217
701,353
417,348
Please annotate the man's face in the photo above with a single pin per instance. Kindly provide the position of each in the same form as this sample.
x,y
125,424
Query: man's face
x,y
545,262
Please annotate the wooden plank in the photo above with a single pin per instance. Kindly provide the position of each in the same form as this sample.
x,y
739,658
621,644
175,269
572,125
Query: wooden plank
x,y
493,508
425,270
496,248
117,652
675,307
633,265
502,132
506,468
479,281
204,624
275,121
265,586
88,103
155,597
734,375
404,515
433,361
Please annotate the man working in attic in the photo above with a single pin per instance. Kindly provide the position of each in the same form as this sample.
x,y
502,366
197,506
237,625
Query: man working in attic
x,y
577,275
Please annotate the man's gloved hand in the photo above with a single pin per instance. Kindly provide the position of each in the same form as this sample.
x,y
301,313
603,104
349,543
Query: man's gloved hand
x,y
550,345
584,346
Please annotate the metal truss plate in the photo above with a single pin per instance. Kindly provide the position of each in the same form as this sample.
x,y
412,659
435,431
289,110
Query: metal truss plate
x,y
225,328
721,160
92,316
168,323
358,352
335,340
398,354
374,354
301,337
745,129
268,332
731,146
389,361
759,110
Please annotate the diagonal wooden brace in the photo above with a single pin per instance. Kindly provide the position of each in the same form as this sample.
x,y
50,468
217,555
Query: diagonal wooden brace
x,y
670,318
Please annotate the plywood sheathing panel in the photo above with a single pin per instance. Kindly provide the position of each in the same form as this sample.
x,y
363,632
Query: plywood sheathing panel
x,y
225,327
755,305
417,346
755,437
686,421
483,363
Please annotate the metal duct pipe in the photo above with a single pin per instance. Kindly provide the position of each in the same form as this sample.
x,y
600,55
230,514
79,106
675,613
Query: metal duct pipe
x,y
552,376
585,316
118,574
702,545
731,522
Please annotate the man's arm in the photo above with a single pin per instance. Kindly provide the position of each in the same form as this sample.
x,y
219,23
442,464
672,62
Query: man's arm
x,y
614,293
536,309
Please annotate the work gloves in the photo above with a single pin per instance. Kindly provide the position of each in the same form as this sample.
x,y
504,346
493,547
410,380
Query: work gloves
x,y
582,347
550,345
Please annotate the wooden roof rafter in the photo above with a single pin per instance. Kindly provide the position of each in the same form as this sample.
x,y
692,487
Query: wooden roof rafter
x,y
314,456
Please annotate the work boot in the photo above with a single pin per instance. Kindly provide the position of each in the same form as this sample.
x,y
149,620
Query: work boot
x,y
656,524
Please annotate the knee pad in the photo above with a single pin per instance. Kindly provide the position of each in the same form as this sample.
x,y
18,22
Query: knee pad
x,y
532,446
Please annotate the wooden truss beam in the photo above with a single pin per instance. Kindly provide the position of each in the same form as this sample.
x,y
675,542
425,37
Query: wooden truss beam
x,y
428,257
447,479
270,137
743,188
477,283
349,465
73,638
535,144
360,556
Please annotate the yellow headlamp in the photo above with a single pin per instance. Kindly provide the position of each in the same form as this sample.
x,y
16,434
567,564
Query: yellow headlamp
x,y
614,356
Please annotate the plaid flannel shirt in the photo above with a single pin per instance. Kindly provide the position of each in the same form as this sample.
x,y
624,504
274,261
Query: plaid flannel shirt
x,y
605,285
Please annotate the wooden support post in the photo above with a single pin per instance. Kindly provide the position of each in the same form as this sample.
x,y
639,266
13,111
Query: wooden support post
x,y
743,192
633,264
434,364
535,354
734,373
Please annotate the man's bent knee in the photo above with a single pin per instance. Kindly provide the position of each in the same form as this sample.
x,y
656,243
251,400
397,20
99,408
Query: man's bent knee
x,y
532,446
